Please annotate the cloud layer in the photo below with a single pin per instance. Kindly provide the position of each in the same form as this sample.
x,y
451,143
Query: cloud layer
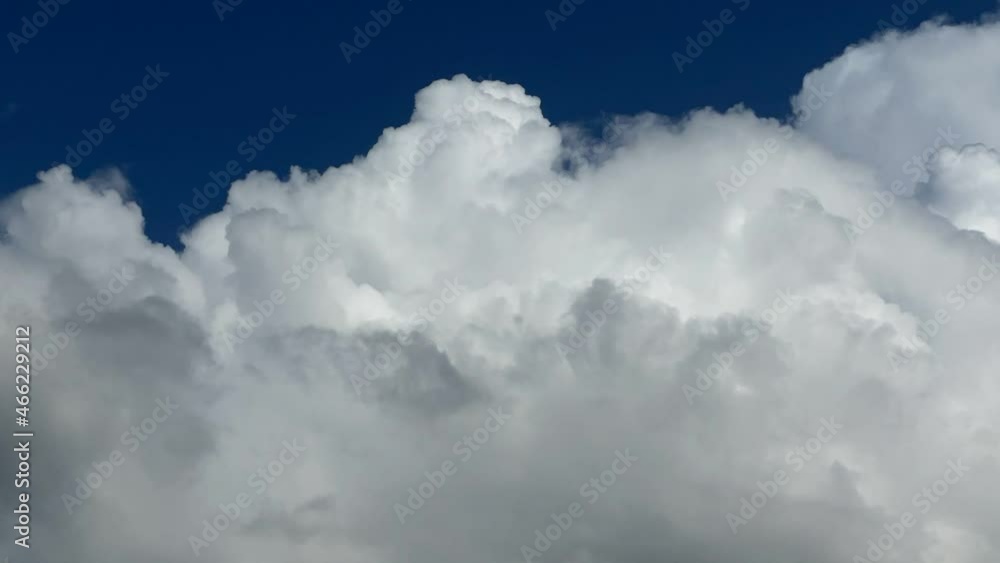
x,y
431,353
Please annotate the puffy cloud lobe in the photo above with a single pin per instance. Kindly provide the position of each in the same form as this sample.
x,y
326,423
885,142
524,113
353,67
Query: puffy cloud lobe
x,y
963,189
790,320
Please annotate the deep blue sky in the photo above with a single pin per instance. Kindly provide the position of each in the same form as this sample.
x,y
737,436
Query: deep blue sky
x,y
226,76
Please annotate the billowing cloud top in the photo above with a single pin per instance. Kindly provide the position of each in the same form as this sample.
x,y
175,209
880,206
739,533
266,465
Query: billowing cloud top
x,y
495,339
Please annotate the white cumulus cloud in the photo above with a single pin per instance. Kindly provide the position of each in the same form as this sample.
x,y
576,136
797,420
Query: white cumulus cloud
x,y
601,292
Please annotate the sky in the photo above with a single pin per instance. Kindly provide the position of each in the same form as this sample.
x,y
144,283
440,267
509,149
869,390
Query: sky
x,y
574,282
226,76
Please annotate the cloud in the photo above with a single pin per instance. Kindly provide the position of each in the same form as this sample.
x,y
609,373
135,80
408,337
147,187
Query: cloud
x,y
262,327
